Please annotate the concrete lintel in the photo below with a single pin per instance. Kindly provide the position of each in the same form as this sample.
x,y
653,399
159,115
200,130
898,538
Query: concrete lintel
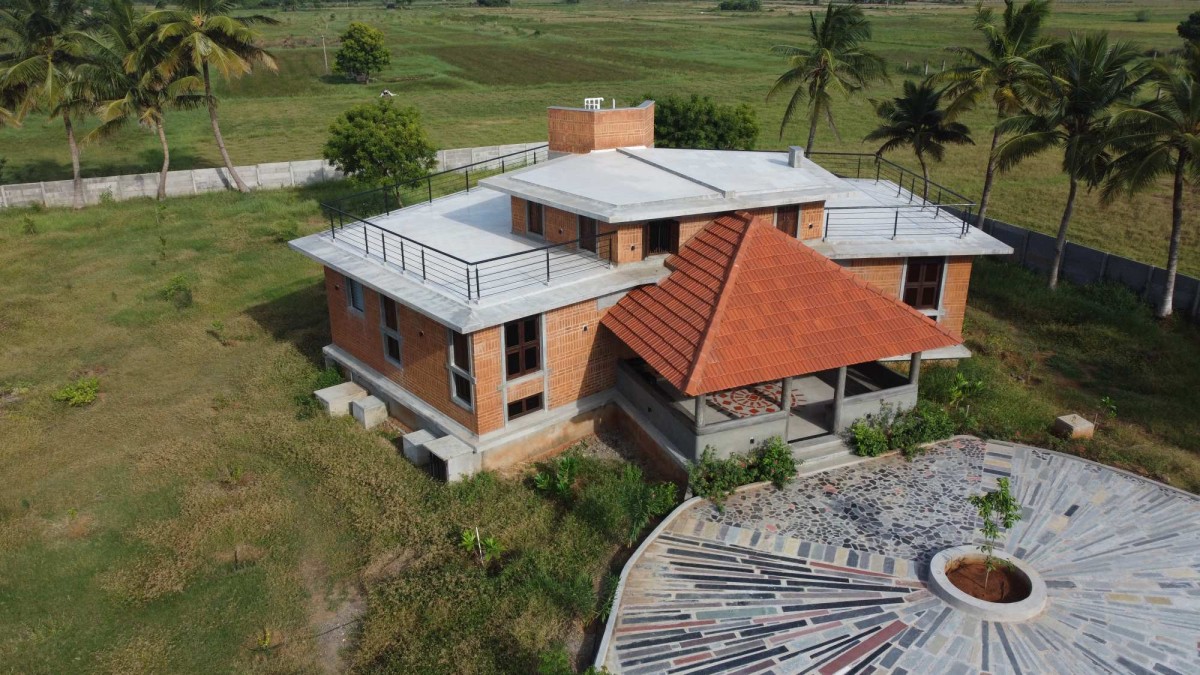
x,y
974,243
468,317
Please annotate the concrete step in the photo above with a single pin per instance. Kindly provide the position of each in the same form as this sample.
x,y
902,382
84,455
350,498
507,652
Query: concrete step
x,y
818,448
830,462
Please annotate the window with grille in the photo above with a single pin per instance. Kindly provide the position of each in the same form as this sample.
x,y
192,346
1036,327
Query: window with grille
x,y
389,325
524,406
354,294
522,346
660,236
462,387
536,222
923,282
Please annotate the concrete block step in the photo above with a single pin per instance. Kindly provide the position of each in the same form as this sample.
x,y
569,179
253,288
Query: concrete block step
x,y
829,462
816,450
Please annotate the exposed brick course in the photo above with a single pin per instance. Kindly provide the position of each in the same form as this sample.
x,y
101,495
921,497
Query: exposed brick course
x,y
954,292
886,274
580,131
812,220
581,356
519,214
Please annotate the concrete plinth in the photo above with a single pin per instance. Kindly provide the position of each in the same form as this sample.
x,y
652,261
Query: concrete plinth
x,y
460,459
336,399
370,411
1073,426
414,447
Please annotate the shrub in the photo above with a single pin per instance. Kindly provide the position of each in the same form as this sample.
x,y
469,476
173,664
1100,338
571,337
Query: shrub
x,y
377,142
740,5
558,478
362,51
623,506
1142,15
699,122
715,479
79,393
905,430
178,292
494,3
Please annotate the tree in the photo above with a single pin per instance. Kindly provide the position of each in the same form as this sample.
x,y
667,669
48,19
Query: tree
x,y
1004,70
362,51
916,120
45,66
130,55
698,122
997,509
1189,28
1089,76
835,60
202,35
1162,138
378,142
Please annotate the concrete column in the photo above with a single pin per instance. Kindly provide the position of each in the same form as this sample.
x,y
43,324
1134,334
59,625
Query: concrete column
x,y
914,368
785,403
699,401
839,395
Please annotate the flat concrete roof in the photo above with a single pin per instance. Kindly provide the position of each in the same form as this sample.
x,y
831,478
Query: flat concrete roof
x,y
636,184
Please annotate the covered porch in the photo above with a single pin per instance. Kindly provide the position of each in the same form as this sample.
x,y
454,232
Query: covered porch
x,y
820,405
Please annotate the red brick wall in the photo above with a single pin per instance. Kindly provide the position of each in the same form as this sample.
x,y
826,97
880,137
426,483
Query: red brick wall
x,y
561,225
519,214
883,273
423,349
489,378
627,242
954,292
581,357
812,220
581,131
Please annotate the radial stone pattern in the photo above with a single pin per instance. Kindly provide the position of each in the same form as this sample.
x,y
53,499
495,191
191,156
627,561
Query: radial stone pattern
x,y
827,575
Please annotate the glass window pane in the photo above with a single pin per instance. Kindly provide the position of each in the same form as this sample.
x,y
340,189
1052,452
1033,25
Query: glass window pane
x,y
389,313
393,347
513,363
531,358
462,388
531,329
461,351
512,333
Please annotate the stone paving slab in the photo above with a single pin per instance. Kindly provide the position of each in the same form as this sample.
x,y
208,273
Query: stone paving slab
x,y
772,586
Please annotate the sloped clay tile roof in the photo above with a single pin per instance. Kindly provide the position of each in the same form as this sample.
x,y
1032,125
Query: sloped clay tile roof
x,y
745,303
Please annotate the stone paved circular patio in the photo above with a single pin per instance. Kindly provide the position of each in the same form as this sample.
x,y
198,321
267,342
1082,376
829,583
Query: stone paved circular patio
x,y
827,575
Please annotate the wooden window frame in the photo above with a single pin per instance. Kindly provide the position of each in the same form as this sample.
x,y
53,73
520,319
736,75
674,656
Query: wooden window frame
x,y
391,332
919,286
525,406
457,370
672,237
520,348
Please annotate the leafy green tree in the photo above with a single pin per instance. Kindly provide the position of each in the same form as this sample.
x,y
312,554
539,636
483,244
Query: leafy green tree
x,y
377,142
45,66
917,120
362,51
130,56
1189,28
1004,70
835,61
997,509
202,35
1162,138
1090,75
698,122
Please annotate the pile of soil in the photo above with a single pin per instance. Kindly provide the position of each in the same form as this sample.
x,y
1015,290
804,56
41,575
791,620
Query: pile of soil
x,y
1004,584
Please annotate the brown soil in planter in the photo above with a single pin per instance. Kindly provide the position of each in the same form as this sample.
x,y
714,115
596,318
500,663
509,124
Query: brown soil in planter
x,y
1003,584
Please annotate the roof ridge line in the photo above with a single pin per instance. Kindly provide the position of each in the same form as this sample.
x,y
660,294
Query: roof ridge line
x,y
717,314
679,174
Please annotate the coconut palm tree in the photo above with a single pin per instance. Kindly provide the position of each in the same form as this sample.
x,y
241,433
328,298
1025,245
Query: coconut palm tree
x,y
1090,75
45,66
917,120
1162,138
1003,70
202,35
835,61
129,54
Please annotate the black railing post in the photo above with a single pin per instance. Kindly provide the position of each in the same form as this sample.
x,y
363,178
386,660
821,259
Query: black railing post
x,y
912,188
422,263
383,245
477,289
938,211
467,179
825,232
467,269
877,167
896,224
332,231
429,183
502,165
858,171
900,187
366,241
403,266
547,266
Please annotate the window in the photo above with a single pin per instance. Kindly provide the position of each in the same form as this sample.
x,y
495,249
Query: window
x,y
524,406
923,282
461,387
522,348
354,294
587,233
535,223
389,324
660,236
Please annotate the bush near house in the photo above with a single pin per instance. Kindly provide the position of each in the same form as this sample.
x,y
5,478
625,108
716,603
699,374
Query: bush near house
x,y
903,430
699,122
715,479
379,142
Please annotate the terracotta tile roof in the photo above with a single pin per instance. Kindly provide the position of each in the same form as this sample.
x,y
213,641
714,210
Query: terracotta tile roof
x,y
746,304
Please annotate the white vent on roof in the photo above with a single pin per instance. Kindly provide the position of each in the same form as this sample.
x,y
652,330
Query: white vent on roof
x,y
593,103
795,156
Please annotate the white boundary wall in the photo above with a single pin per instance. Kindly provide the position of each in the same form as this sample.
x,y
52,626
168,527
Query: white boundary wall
x,y
270,176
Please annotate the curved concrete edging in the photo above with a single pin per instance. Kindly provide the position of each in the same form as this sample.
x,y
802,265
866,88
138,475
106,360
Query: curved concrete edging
x,y
1005,612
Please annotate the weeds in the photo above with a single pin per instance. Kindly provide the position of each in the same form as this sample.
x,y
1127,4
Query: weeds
x,y
81,392
178,292
28,226
903,430
715,479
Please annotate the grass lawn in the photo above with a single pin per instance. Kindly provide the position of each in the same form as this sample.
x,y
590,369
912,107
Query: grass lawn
x,y
193,519
485,76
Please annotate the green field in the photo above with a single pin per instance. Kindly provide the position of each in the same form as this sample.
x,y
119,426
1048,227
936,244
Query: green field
x,y
485,76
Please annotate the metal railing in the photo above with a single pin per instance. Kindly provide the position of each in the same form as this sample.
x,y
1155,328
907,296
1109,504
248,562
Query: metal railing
x,y
350,225
920,207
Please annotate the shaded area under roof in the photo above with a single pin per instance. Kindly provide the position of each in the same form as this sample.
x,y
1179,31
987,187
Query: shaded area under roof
x,y
746,304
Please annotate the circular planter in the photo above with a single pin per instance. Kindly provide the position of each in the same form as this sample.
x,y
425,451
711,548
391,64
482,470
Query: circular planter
x,y
1021,610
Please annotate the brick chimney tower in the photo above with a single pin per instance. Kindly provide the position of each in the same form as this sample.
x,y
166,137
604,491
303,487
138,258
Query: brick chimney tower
x,y
594,127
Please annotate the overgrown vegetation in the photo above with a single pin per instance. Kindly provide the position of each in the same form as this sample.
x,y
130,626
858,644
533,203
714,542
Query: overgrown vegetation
x,y
904,430
699,122
79,393
715,479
